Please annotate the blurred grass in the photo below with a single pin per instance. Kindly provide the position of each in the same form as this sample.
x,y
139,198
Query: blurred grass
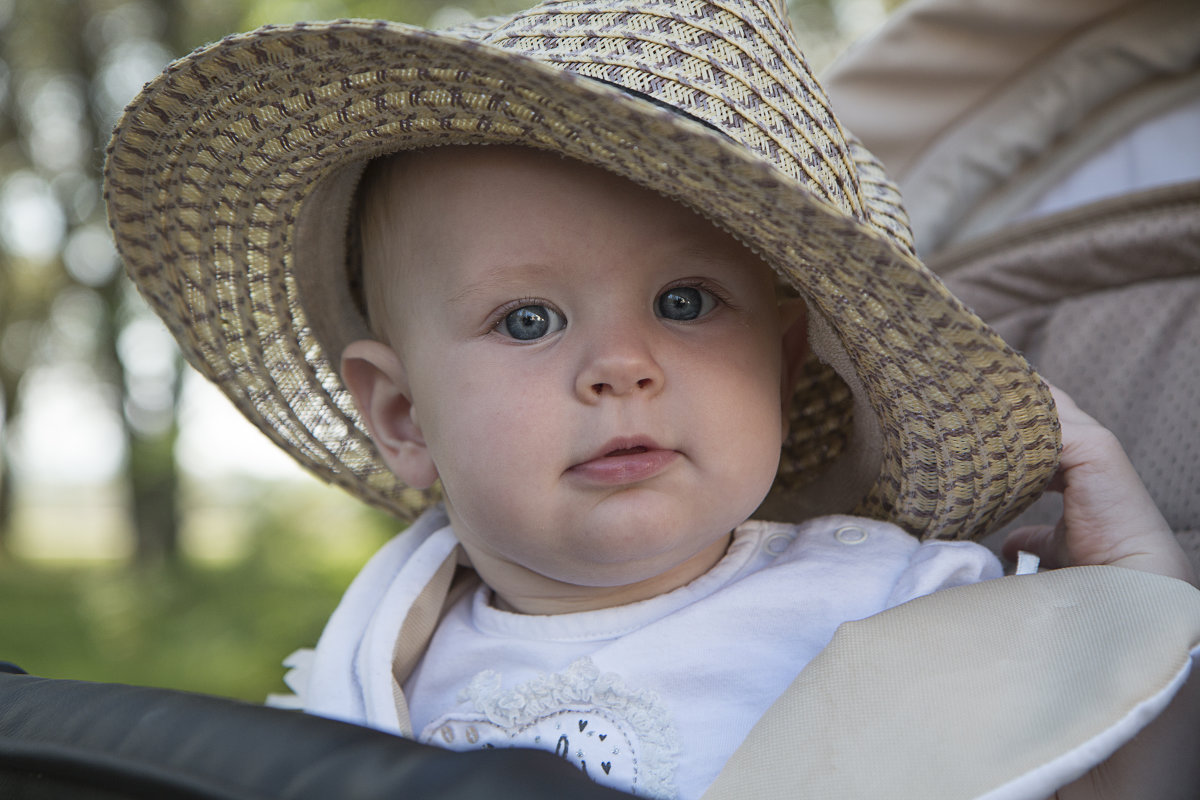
x,y
214,630
214,627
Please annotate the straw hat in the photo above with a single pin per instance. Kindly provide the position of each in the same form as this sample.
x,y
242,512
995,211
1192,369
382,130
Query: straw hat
x,y
230,180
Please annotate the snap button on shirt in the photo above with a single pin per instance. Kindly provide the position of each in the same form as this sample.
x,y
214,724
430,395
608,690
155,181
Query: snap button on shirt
x,y
850,534
779,542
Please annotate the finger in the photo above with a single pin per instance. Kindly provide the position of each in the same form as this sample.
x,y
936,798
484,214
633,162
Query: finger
x,y
1044,541
1069,412
1105,495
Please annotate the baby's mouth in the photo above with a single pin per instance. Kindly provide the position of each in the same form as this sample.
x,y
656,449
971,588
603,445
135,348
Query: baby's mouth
x,y
627,463
626,451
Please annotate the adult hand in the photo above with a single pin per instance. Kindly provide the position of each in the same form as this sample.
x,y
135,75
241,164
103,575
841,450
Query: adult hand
x,y
1108,516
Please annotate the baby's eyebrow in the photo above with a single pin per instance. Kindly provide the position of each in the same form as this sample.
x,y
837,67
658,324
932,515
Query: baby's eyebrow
x,y
692,254
506,277
501,277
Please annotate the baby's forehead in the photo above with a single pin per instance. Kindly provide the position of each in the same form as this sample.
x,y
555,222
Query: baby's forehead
x,y
534,194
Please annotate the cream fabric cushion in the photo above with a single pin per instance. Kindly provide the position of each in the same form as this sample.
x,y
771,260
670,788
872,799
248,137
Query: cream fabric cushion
x,y
1003,690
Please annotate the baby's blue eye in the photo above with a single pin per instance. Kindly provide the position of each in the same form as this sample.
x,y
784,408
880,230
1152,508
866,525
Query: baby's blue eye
x,y
533,322
684,303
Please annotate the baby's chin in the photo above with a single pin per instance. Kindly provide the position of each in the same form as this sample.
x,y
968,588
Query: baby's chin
x,y
625,548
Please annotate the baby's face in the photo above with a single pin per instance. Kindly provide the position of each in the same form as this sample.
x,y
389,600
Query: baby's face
x,y
595,372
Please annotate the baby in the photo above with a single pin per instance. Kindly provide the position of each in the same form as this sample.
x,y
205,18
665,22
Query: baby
x,y
617,283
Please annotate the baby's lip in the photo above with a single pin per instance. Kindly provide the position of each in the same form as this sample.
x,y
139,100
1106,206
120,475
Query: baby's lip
x,y
624,460
623,446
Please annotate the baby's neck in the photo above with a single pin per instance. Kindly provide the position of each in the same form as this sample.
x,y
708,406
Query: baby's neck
x,y
521,591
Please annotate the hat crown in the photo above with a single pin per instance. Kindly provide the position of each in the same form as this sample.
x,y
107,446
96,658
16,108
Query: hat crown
x,y
733,65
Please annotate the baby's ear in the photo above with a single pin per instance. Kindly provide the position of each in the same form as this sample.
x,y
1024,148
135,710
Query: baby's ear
x,y
793,315
376,378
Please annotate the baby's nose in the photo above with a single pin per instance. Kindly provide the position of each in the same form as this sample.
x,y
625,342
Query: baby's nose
x,y
621,387
619,368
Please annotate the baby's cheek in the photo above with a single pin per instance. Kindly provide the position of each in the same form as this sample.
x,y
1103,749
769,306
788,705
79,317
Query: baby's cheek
x,y
754,439
492,452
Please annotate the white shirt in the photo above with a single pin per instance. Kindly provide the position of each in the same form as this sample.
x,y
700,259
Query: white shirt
x,y
653,697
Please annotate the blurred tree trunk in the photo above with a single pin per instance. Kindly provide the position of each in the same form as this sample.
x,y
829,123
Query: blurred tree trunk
x,y
151,474
154,490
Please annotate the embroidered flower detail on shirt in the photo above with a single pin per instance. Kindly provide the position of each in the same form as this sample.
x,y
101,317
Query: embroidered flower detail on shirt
x,y
618,736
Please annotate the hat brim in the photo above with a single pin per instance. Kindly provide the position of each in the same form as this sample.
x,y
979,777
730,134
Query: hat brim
x,y
229,186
